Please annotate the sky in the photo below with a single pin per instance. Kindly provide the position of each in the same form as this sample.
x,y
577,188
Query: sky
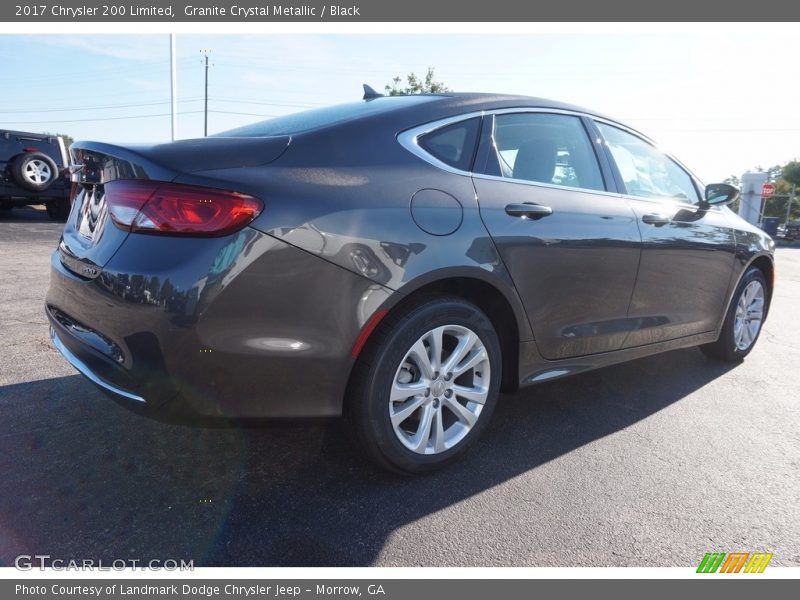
x,y
722,103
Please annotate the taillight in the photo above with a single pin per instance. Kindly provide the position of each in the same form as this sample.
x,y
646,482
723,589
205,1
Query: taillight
x,y
175,209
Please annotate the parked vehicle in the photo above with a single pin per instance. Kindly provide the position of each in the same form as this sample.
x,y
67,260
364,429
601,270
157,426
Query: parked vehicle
x,y
34,170
399,261
791,231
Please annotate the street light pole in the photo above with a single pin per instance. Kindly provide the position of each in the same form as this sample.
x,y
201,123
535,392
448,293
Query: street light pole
x,y
173,85
205,111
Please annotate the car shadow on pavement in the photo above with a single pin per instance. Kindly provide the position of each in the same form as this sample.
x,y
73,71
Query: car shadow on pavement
x,y
85,479
24,214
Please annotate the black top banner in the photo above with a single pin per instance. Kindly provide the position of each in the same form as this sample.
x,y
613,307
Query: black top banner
x,y
198,11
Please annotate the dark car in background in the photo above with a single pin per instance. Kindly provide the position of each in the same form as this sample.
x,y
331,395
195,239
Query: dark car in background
x,y
34,170
398,261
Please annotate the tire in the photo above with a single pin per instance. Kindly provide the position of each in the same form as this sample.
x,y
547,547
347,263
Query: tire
x,y
34,172
743,321
398,354
58,210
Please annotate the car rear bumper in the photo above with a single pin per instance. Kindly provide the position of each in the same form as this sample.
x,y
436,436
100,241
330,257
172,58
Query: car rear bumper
x,y
234,327
87,371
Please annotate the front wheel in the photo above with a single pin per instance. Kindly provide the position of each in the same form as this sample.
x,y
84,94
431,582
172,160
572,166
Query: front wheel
x,y
743,320
425,385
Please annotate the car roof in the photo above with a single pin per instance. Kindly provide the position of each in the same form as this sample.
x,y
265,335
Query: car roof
x,y
396,112
488,101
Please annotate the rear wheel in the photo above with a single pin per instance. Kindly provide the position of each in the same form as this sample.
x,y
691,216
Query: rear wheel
x,y
743,320
425,386
34,172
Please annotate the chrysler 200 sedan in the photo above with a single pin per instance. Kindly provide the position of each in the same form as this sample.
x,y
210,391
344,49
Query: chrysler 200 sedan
x,y
397,260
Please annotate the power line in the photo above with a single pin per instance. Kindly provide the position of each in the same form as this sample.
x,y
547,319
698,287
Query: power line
x,y
245,114
260,103
122,118
89,75
105,107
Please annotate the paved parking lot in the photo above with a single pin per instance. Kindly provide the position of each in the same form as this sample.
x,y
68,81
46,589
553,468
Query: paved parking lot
x,y
651,463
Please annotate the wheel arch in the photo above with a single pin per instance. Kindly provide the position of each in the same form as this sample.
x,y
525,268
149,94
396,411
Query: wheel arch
x,y
766,264
505,313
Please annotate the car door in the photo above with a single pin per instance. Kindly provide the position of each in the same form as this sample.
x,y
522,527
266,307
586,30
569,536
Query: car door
x,y
688,252
570,243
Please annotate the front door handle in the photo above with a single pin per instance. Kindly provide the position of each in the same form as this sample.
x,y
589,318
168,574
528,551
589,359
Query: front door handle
x,y
528,210
656,219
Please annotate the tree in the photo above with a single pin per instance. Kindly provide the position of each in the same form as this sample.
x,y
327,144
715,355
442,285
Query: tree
x,y
791,172
68,139
416,85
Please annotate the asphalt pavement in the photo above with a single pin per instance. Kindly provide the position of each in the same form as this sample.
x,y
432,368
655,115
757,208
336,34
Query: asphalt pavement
x,y
650,463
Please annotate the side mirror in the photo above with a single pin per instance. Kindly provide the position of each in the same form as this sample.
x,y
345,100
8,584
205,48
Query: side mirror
x,y
720,194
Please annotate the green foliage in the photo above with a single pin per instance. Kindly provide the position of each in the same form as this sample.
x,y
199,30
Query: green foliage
x,y
791,172
68,139
416,85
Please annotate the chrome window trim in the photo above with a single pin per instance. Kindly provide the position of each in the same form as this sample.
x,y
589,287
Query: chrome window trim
x,y
84,369
409,139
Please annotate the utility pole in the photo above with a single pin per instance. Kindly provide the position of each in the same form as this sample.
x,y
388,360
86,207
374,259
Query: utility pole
x,y
789,203
205,111
173,85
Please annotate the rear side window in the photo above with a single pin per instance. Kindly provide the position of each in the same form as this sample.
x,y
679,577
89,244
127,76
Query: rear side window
x,y
453,144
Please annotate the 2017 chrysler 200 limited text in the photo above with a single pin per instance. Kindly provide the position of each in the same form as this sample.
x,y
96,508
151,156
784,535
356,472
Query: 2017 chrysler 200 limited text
x,y
397,260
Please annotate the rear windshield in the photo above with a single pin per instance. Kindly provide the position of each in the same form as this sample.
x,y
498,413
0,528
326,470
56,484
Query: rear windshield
x,y
322,117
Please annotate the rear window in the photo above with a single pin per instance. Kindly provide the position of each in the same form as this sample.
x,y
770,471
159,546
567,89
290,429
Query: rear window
x,y
454,144
323,117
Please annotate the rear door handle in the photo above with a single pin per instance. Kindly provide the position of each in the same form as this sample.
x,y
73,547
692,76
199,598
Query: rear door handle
x,y
528,210
656,219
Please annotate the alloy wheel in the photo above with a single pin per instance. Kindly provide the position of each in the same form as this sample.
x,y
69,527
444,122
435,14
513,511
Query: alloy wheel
x,y
439,389
37,171
749,315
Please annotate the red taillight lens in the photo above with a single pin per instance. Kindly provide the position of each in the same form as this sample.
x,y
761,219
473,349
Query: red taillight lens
x,y
175,209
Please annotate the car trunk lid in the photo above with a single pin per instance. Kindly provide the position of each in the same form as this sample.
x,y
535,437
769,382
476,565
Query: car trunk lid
x,y
90,237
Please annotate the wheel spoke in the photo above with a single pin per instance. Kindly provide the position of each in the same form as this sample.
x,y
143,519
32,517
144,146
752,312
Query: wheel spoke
x,y
464,415
462,349
745,336
477,358
435,347
473,394
438,431
419,353
423,434
403,391
407,410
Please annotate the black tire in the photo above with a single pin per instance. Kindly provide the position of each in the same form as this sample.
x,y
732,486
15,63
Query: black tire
x,y
58,210
725,348
367,404
34,172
